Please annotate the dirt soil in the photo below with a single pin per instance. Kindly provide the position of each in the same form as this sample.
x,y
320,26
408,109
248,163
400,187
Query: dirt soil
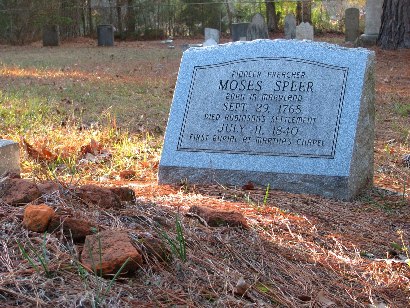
x,y
299,250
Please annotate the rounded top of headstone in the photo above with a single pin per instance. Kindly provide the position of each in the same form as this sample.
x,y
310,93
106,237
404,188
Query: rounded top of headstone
x,y
352,10
271,47
290,17
4,142
210,42
258,18
257,29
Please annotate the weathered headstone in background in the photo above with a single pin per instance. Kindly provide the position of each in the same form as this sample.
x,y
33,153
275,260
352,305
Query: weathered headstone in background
x,y
209,42
304,31
257,29
239,31
105,35
374,10
297,115
290,26
351,24
51,35
9,156
212,34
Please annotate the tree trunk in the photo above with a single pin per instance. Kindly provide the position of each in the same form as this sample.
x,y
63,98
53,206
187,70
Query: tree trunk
x,y
130,17
298,12
229,12
307,11
271,16
395,25
119,19
304,11
90,19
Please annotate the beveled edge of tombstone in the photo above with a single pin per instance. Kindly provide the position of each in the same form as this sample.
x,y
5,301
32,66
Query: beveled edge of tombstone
x,y
9,156
336,187
362,160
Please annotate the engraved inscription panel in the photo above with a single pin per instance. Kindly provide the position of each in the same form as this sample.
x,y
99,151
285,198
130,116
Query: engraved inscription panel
x,y
264,106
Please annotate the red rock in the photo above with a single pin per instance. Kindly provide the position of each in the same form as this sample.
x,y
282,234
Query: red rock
x,y
16,191
11,175
155,248
74,228
102,197
127,174
114,250
48,187
219,218
124,193
37,217
248,186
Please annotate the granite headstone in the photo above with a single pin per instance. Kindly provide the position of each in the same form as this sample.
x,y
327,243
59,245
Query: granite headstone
x,y
211,34
210,42
290,26
51,35
239,31
257,29
374,10
297,115
351,24
105,35
304,31
9,156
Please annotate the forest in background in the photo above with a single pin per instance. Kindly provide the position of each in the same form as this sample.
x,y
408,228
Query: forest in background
x,y
22,21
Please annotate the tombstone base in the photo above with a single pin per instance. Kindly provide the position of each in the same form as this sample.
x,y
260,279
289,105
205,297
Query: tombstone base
x,y
337,187
368,40
9,156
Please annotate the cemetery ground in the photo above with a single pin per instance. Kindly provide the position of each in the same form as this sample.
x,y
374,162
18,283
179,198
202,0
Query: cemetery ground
x,y
87,116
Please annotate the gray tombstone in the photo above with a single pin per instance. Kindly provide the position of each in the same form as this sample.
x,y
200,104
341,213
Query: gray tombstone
x,y
351,24
374,9
257,29
239,31
51,35
297,115
105,35
211,34
304,31
210,42
290,26
9,156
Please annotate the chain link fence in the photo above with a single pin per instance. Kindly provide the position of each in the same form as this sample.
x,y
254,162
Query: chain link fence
x,y
22,21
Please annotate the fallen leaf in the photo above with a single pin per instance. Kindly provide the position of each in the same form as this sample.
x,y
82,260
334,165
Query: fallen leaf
x,y
248,186
93,148
44,155
67,101
145,164
127,174
324,300
47,154
305,298
241,287
378,305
